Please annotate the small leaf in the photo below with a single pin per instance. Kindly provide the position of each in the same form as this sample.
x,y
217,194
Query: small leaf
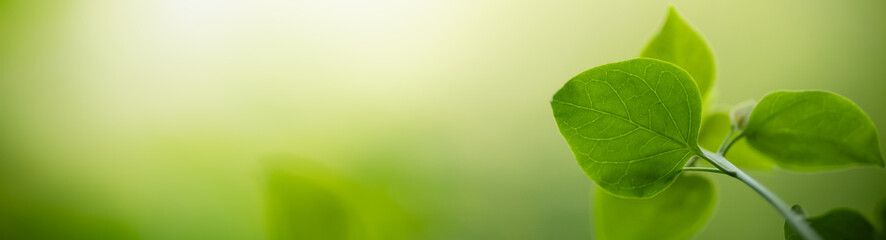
x,y
677,213
631,125
715,128
680,44
812,130
741,113
840,223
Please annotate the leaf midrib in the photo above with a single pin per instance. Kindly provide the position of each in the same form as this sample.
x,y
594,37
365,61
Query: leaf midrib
x,y
683,144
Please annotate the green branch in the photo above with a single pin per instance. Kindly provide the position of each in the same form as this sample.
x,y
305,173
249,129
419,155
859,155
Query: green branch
x,y
795,220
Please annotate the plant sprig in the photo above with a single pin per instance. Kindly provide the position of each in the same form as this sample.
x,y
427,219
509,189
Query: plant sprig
x,y
635,128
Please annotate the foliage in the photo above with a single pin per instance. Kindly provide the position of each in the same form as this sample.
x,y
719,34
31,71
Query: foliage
x,y
635,127
631,125
811,130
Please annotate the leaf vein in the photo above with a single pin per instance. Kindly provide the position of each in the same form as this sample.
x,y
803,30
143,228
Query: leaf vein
x,y
621,118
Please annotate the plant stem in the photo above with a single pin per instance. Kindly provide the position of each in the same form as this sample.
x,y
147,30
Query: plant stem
x,y
795,220
727,142
703,169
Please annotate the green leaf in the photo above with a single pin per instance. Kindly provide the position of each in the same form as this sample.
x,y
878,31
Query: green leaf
x,y
680,44
631,125
840,223
715,128
813,130
677,213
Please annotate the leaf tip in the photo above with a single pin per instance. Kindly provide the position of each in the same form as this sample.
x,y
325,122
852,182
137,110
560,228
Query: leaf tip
x,y
673,14
672,9
799,210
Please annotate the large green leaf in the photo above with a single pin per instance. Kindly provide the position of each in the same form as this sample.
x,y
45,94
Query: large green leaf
x,y
631,125
676,213
715,128
837,224
812,130
680,44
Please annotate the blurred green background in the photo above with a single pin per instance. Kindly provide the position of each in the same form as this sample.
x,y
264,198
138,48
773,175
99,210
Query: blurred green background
x,y
389,119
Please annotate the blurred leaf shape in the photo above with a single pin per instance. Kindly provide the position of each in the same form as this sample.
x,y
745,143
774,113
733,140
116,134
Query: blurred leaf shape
x,y
680,44
813,130
308,201
26,217
677,213
881,217
631,125
837,224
